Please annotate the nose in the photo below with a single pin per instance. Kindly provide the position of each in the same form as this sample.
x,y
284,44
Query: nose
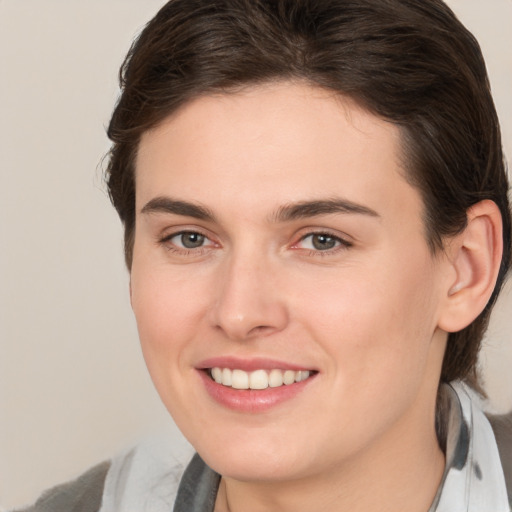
x,y
249,301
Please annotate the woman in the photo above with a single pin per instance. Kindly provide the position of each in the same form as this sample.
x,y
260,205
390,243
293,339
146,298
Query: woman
x,y
316,227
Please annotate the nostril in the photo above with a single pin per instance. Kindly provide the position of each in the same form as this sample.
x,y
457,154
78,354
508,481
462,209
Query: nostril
x,y
260,329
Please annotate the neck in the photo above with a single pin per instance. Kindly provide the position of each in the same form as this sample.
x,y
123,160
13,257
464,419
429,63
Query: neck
x,y
403,473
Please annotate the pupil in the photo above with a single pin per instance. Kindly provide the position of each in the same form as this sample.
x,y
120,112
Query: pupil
x,y
192,240
323,242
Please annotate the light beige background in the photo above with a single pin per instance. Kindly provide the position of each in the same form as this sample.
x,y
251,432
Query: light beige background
x,y
73,386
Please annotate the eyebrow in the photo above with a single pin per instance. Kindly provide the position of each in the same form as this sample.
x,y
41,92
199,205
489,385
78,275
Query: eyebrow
x,y
305,209
286,213
173,206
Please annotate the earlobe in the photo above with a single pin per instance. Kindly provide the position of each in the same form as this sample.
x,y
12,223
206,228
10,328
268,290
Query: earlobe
x,y
475,255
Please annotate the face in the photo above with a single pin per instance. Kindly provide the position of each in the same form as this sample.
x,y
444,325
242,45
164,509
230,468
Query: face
x,y
285,296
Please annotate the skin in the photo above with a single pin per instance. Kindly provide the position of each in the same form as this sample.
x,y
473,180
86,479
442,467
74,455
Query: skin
x,y
364,313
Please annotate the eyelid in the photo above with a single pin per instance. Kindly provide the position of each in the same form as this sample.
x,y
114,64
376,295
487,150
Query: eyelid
x,y
169,236
165,238
344,241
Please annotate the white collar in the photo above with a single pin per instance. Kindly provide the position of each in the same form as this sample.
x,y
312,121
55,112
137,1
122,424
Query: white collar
x,y
473,480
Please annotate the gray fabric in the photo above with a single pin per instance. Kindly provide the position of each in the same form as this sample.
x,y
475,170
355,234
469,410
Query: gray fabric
x,y
198,488
81,495
146,478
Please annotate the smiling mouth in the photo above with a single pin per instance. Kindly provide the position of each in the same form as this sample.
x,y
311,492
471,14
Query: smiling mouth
x,y
258,379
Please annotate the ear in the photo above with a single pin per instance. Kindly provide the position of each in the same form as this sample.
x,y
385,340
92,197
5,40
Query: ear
x,y
475,258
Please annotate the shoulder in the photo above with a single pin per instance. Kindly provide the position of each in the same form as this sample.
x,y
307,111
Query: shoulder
x,y
84,494
144,477
502,427
147,476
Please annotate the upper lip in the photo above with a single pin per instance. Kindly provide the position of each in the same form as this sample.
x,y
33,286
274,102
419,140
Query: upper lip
x,y
250,364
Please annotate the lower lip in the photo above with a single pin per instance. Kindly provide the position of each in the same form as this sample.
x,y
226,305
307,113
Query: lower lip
x,y
252,400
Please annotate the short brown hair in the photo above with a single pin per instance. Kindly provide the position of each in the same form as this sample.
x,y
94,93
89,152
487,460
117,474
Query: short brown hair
x,y
410,62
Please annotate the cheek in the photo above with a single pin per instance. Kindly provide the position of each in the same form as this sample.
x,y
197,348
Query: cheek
x,y
167,307
375,320
376,337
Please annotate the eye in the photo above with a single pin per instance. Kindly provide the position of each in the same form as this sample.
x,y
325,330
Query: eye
x,y
187,240
322,242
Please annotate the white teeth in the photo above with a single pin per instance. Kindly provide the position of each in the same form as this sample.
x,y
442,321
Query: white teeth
x,y
302,375
258,379
227,377
240,379
275,378
289,377
217,375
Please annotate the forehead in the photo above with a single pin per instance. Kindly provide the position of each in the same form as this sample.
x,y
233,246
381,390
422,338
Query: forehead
x,y
272,144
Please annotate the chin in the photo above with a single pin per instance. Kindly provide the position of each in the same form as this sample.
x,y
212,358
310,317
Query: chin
x,y
252,467
258,459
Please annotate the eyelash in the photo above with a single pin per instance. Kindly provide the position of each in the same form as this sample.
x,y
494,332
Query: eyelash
x,y
342,244
184,251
